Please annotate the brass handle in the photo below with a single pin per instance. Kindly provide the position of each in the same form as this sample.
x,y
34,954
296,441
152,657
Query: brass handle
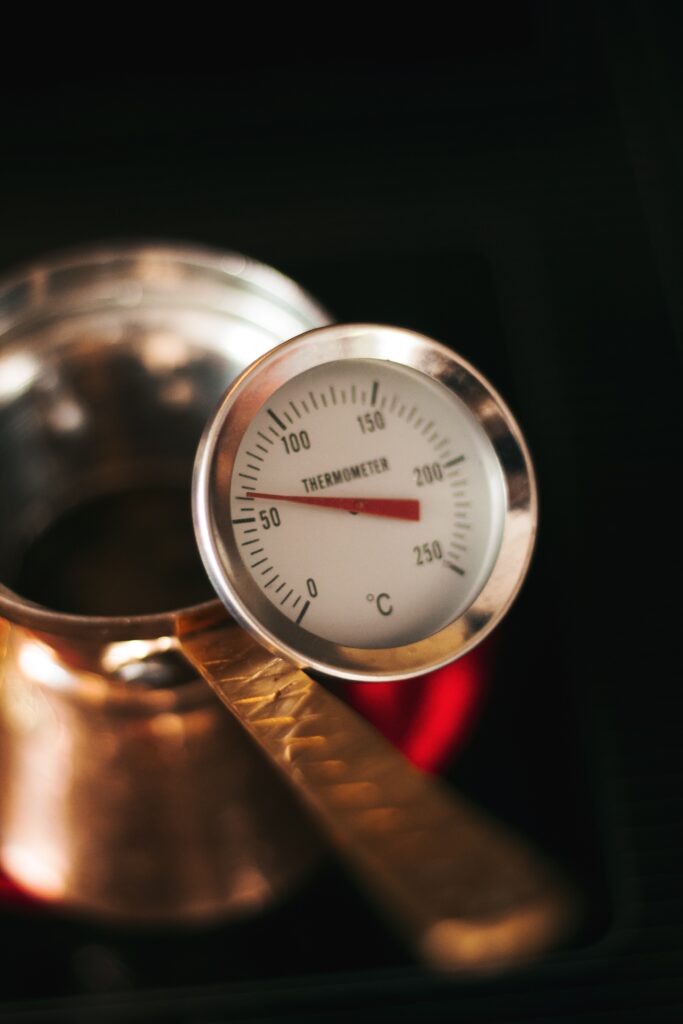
x,y
465,893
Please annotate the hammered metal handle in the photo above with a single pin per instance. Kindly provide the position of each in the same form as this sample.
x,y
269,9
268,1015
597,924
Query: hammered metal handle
x,y
465,893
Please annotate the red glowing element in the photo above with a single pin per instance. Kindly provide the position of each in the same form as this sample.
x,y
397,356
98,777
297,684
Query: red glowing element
x,y
12,894
427,718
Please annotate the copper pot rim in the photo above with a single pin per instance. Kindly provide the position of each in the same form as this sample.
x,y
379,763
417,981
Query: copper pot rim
x,y
104,628
234,265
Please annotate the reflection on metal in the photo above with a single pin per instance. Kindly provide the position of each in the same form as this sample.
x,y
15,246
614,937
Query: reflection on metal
x,y
466,894
116,656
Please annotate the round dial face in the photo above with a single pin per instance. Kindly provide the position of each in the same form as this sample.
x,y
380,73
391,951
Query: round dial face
x,y
367,503
364,502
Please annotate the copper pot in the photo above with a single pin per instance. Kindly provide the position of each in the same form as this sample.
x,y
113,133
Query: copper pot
x,y
126,789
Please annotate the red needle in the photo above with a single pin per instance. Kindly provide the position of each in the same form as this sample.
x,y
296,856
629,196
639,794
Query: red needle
x,y
394,508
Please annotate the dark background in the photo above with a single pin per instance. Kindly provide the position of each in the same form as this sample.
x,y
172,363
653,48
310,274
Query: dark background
x,y
519,199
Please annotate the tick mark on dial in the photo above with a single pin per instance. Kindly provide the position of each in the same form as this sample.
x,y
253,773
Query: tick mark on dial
x,y
277,419
302,612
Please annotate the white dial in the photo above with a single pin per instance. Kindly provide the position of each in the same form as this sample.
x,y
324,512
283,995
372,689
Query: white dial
x,y
367,503
364,502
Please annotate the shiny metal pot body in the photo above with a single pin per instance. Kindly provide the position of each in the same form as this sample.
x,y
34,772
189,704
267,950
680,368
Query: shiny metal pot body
x,y
125,788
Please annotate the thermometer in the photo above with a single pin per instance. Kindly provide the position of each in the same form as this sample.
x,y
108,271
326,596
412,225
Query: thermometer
x,y
365,507
365,503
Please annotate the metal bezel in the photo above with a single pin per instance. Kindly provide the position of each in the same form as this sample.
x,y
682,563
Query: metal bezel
x,y
211,490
